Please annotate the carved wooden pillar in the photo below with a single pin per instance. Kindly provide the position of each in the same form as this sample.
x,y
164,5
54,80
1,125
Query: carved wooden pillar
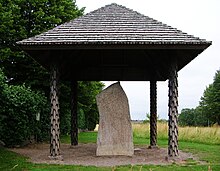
x,y
153,114
173,112
74,123
54,115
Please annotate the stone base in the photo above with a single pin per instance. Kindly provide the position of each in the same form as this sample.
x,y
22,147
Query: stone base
x,y
60,157
115,150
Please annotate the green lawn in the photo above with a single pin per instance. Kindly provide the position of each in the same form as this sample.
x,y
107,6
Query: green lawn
x,y
209,153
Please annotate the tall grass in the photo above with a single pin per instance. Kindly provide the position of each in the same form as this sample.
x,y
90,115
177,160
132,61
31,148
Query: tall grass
x,y
207,135
142,130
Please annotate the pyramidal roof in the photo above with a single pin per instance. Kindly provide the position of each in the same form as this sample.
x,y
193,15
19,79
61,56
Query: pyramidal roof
x,y
113,24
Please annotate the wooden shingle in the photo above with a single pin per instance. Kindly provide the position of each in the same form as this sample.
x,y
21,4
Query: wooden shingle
x,y
113,24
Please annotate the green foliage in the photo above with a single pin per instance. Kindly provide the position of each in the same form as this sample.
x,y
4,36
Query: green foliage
x,y
64,100
194,117
208,111
201,117
20,19
88,115
2,87
19,107
210,102
187,117
81,120
87,91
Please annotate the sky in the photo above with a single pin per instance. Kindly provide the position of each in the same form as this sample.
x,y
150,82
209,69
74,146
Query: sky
x,y
200,18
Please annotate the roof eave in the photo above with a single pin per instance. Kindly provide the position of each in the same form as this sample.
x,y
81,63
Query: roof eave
x,y
60,46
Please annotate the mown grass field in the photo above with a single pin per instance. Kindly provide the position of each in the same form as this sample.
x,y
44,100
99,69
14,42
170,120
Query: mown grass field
x,y
202,142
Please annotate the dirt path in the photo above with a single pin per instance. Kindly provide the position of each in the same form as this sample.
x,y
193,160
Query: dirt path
x,y
85,154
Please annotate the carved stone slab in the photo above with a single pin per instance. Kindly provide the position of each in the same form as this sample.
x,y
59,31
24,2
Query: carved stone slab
x,y
115,135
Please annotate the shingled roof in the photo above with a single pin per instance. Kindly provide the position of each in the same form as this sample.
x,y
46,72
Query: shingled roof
x,y
113,24
114,43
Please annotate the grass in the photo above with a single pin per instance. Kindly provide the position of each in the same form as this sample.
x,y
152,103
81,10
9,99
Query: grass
x,y
206,149
205,135
206,152
12,161
84,137
208,135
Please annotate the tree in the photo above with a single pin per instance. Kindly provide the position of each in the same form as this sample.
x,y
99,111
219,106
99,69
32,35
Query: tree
x,y
210,101
87,102
193,117
187,117
208,111
20,19
201,118
88,115
81,120
19,108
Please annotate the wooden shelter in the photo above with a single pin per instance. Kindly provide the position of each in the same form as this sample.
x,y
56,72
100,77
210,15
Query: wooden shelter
x,y
115,43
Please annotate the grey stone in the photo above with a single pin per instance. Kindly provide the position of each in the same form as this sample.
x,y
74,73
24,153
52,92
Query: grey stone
x,y
115,135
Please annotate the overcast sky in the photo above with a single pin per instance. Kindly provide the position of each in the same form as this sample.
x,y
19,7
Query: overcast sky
x,y
200,18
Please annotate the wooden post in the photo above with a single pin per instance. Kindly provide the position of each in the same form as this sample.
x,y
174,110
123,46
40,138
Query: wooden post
x,y
153,114
55,118
74,118
173,113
